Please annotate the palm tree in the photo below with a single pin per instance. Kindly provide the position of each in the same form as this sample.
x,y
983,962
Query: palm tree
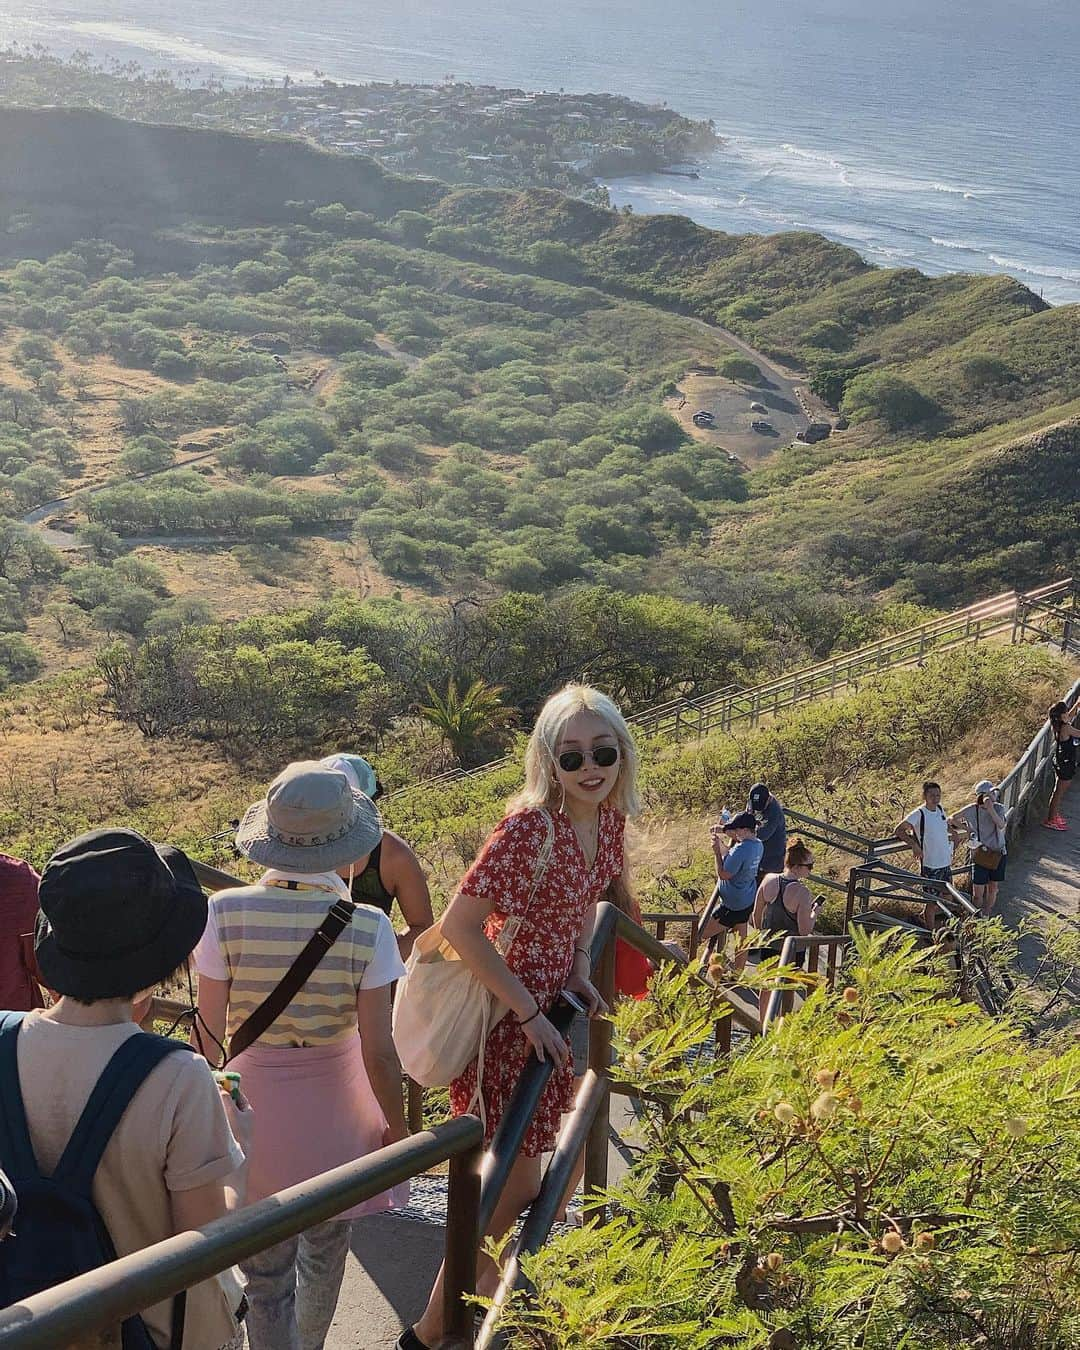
x,y
466,718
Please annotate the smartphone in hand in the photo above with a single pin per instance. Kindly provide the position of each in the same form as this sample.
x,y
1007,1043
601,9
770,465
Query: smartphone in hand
x,y
574,1001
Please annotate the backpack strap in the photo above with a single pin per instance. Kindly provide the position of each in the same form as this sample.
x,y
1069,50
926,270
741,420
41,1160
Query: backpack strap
x,y
121,1078
15,1147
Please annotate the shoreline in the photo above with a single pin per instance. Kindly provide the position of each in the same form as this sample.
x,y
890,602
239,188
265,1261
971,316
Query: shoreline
x,y
722,205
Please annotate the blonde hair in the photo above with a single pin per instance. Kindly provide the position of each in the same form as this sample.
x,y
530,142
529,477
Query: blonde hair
x,y
541,786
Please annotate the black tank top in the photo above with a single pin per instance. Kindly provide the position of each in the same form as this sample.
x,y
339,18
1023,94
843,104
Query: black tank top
x,y
367,886
778,918
1065,755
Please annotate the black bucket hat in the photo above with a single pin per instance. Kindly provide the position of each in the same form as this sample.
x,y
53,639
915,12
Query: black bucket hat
x,y
117,915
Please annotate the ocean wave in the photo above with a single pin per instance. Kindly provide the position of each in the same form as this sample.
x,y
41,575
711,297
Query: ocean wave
x,y
795,161
1071,274
964,245
155,42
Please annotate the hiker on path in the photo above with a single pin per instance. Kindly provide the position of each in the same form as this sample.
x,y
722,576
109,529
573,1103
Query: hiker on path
x,y
931,838
771,829
323,1095
1063,723
984,821
580,786
737,851
118,916
391,871
784,906
19,989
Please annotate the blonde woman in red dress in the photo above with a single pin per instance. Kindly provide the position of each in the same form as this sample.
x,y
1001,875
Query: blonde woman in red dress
x,y
581,772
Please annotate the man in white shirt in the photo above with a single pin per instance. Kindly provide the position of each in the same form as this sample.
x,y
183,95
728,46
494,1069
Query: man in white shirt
x,y
930,835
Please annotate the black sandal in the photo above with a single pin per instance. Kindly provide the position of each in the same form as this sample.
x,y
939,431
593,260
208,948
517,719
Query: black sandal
x,y
409,1340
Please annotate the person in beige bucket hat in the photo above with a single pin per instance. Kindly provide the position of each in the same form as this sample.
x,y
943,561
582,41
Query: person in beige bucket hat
x,y
310,821
322,1076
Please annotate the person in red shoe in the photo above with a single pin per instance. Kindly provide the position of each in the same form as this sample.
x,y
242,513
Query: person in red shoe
x,y
1066,736
19,990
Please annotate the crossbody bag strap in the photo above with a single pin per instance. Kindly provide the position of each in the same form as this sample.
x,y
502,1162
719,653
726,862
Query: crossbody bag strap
x,y
278,999
512,927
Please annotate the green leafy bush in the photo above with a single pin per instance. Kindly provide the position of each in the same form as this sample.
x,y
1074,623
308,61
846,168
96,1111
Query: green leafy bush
x,y
888,1167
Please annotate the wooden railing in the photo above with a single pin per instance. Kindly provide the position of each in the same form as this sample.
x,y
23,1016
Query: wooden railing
x,y
1050,615
721,709
824,946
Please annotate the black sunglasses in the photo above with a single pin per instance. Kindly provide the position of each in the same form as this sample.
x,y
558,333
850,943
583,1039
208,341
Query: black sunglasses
x,y
604,756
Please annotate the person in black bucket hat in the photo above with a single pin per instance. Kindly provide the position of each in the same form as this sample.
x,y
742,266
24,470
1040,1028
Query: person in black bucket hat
x,y
159,1147
117,915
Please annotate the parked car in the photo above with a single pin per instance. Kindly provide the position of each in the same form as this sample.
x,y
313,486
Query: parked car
x,y
759,424
758,407
704,418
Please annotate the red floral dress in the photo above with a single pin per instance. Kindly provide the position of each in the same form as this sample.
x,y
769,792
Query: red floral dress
x,y
543,951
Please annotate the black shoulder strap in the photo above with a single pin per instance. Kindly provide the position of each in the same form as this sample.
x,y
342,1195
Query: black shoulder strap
x,y
15,1147
278,999
125,1073
922,826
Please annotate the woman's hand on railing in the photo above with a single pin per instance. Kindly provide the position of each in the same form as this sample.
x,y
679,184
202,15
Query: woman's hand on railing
x,y
545,1040
587,992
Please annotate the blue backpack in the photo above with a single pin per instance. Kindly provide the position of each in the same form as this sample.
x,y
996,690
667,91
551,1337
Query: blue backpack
x,y
58,1231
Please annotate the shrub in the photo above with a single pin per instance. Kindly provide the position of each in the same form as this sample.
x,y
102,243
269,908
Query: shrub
x,y
897,403
888,1167
18,660
740,368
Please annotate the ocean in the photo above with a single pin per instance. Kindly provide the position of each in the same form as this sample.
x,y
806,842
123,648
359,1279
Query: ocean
x,y
922,134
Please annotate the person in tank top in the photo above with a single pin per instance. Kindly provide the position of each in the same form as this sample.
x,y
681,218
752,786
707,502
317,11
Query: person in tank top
x,y
784,906
1065,725
391,871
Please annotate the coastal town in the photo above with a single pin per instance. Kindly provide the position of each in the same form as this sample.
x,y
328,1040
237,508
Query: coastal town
x,y
455,131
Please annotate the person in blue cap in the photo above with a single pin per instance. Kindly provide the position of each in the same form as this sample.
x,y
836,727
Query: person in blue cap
x,y
771,829
391,871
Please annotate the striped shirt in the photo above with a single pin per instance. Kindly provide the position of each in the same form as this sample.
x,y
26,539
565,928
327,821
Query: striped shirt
x,y
254,934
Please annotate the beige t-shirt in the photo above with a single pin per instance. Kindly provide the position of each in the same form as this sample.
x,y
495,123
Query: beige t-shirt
x,y
173,1137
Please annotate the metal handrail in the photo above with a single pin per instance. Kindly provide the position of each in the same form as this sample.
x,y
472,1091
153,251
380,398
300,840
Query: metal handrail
x,y
100,1300
590,1122
1022,784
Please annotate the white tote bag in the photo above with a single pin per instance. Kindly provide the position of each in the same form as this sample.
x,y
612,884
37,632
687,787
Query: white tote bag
x,y
442,1012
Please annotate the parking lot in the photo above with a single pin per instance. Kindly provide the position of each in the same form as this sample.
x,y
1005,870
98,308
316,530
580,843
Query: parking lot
x,y
730,404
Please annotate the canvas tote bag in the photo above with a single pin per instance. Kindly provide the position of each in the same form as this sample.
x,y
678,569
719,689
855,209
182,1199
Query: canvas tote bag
x,y
442,1012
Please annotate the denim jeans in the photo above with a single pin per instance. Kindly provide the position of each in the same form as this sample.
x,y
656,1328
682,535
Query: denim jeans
x,y
292,1289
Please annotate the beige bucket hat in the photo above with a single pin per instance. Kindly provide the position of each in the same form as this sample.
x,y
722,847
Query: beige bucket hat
x,y
310,821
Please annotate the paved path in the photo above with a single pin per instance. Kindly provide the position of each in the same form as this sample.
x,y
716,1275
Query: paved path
x,y
59,505
394,1259
1043,879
